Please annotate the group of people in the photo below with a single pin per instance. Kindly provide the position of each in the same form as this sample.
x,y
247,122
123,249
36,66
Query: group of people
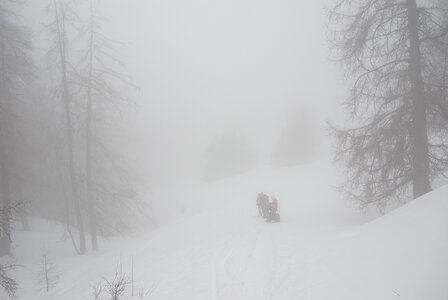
x,y
266,209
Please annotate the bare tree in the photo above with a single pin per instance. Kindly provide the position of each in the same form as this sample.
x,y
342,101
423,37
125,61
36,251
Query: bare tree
x,y
8,283
58,27
90,85
6,213
47,275
395,146
15,69
109,194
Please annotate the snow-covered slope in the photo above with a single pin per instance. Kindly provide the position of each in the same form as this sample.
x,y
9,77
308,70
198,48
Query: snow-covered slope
x,y
220,249
402,254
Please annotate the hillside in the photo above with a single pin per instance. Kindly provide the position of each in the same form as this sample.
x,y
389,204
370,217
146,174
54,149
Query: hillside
x,y
220,249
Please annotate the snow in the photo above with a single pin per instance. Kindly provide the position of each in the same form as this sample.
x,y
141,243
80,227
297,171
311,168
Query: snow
x,y
220,249
402,253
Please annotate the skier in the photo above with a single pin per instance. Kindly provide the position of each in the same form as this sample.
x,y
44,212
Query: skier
x,y
272,211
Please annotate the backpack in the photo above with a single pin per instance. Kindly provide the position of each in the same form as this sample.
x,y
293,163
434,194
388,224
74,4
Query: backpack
x,y
277,217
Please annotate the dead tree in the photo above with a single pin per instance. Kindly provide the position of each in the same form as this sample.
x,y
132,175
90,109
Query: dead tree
x,y
393,150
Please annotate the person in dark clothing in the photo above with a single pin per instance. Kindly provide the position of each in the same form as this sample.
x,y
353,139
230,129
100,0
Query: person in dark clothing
x,y
264,204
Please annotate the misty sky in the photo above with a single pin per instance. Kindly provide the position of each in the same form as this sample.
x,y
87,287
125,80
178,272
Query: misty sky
x,y
204,67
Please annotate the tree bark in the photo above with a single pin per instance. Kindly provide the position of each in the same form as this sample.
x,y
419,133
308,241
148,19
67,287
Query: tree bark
x,y
419,135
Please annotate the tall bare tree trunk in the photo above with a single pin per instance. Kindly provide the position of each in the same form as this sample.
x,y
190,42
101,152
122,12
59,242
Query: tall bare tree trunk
x,y
62,51
23,215
5,217
420,153
5,240
92,215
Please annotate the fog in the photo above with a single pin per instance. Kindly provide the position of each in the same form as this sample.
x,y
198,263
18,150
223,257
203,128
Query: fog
x,y
237,149
208,67
215,88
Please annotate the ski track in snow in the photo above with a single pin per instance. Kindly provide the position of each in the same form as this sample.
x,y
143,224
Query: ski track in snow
x,y
259,261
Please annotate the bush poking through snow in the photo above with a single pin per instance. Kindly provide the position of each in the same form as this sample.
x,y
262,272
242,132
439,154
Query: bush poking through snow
x,y
97,291
145,294
117,286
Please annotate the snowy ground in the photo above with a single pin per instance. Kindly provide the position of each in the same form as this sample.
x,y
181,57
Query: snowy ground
x,y
220,249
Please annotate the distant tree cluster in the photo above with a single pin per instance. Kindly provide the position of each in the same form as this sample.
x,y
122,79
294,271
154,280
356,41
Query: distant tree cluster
x,y
297,142
227,156
396,53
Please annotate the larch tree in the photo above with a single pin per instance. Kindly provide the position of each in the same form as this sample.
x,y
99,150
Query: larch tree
x,y
90,87
111,201
393,51
58,29
15,73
